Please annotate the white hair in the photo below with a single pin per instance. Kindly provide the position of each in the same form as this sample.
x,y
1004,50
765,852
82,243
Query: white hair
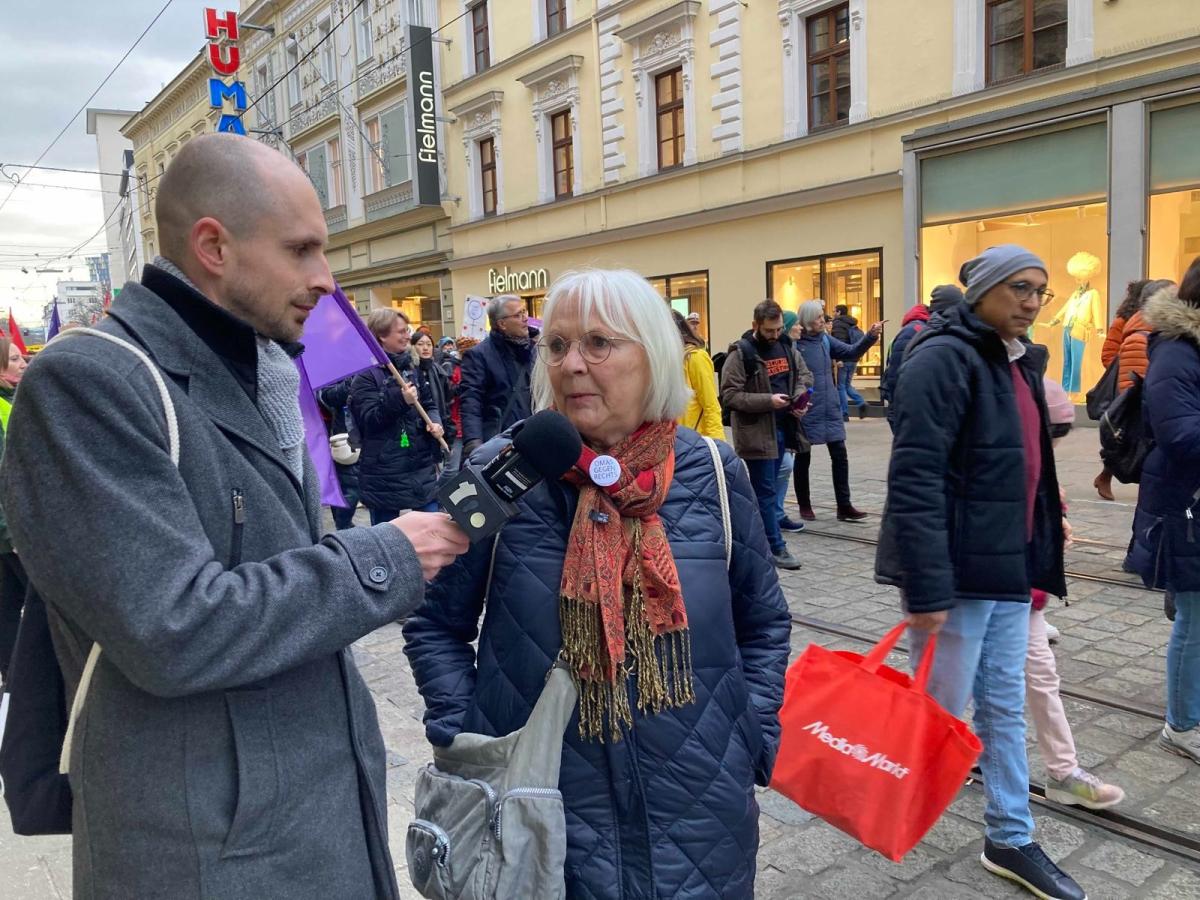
x,y
626,304
810,311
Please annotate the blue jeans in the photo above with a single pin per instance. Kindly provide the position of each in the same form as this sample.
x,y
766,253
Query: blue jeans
x,y
1072,362
763,474
783,481
846,389
981,653
1183,663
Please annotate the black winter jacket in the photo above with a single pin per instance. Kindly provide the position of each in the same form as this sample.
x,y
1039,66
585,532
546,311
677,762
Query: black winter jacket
x,y
390,475
1166,551
954,522
670,811
495,372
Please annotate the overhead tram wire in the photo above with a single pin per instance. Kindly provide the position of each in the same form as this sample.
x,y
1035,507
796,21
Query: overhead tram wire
x,y
353,81
112,72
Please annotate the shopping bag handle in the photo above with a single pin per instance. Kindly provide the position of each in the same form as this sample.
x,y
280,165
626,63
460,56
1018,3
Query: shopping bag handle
x,y
873,660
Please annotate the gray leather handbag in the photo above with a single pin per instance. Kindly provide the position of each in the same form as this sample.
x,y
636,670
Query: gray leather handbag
x,y
489,816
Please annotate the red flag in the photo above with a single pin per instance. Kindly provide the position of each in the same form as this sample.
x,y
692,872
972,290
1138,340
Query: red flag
x,y
14,331
107,299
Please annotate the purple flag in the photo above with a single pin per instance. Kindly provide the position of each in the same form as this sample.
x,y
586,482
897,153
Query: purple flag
x,y
318,441
337,343
56,325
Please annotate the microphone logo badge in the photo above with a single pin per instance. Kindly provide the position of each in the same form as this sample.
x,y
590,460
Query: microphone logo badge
x,y
604,471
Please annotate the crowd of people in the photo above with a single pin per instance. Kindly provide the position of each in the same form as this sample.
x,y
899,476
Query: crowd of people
x,y
225,744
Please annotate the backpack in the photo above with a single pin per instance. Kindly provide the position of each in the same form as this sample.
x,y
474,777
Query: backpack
x,y
718,361
1125,441
36,745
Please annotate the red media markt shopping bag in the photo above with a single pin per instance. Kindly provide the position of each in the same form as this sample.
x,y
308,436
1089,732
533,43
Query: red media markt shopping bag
x,y
865,748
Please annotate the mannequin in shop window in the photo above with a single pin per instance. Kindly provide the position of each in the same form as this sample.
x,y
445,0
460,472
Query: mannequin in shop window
x,y
1083,317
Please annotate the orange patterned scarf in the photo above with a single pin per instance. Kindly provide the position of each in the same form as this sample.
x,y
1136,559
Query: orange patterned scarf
x,y
620,591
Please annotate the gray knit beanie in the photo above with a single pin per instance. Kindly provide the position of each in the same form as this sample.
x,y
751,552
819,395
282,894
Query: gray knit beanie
x,y
943,297
992,266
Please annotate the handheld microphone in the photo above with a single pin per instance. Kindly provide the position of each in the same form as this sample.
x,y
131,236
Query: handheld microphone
x,y
482,498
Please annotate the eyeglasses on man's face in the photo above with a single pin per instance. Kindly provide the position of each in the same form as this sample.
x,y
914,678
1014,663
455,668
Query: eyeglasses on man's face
x,y
521,314
1024,290
594,346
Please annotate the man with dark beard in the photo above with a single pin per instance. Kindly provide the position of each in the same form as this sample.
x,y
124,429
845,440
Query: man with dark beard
x,y
226,744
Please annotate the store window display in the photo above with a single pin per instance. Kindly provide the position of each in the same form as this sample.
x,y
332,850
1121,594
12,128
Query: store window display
x,y
1174,238
1073,240
1082,317
853,280
687,294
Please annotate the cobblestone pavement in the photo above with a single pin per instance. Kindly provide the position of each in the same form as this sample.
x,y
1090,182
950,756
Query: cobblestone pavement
x,y
1113,644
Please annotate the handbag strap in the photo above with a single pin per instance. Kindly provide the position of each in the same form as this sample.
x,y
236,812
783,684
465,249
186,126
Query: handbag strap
x,y
89,667
723,494
873,660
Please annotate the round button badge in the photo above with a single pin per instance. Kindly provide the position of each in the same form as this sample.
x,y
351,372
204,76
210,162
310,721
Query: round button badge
x,y
604,471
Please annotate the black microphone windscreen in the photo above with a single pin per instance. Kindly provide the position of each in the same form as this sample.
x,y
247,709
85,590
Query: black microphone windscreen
x,y
549,442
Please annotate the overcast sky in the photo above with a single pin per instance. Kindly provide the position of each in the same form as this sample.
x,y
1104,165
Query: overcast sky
x,y
56,53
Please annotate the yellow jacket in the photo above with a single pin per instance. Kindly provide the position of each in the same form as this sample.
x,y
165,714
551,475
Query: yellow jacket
x,y
703,413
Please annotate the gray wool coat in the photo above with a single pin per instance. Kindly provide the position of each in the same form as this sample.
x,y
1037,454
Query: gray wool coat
x,y
228,747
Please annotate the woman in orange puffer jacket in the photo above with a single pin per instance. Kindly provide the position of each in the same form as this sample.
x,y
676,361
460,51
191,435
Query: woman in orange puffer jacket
x,y
1127,338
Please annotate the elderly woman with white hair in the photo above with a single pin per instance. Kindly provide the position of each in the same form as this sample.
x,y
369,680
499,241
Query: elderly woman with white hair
x,y
671,621
823,423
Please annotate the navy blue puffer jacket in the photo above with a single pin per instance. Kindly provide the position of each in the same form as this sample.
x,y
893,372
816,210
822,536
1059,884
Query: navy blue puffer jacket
x,y
391,475
670,810
822,424
1166,550
954,523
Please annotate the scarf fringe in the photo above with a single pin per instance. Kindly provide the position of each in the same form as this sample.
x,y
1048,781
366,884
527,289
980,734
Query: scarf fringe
x,y
662,664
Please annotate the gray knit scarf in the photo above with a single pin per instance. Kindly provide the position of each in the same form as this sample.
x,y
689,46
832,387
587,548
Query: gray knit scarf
x,y
278,388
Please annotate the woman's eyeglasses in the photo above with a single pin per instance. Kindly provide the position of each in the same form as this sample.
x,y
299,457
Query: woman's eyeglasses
x,y
594,346
1023,290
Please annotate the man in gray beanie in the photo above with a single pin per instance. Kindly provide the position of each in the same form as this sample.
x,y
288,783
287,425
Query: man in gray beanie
x,y
973,523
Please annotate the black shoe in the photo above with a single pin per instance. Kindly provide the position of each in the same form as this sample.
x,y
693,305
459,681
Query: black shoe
x,y
845,417
862,410
1030,867
786,524
785,560
850,514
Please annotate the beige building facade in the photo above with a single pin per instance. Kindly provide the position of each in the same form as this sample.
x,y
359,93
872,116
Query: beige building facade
x,y
855,151
178,113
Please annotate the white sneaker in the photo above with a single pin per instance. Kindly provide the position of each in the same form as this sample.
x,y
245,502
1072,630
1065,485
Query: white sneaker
x,y
1181,743
1052,634
1082,788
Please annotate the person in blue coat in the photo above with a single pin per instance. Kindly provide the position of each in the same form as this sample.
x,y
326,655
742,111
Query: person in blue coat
x,y
1166,551
659,761
496,373
823,424
397,468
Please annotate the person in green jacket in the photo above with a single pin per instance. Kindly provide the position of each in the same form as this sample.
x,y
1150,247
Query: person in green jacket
x,y
12,574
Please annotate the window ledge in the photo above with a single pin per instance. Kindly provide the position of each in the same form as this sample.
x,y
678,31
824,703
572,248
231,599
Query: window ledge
x,y
389,201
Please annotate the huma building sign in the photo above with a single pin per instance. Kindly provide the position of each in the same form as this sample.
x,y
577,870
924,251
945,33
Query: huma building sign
x,y
507,282
422,94
225,57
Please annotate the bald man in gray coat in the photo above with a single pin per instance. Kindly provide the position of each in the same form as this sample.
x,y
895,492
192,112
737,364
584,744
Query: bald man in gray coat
x,y
227,746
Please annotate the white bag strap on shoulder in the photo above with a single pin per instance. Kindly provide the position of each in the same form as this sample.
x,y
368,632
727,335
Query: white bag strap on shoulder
x,y
64,760
723,493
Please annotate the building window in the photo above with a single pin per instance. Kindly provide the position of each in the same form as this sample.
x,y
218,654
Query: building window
x,y
266,109
487,175
479,36
327,65
386,152
416,12
564,156
685,293
292,57
556,17
668,91
829,67
365,38
336,195
1024,36
853,280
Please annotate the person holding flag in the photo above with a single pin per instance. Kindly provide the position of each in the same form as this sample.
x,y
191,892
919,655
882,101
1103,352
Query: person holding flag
x,y
169,515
